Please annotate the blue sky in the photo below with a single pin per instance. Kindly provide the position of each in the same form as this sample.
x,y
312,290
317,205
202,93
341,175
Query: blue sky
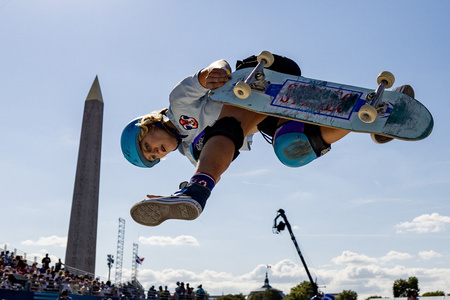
x,y
364,214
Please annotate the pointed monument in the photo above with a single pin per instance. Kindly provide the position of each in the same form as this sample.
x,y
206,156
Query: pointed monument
x,y
82,237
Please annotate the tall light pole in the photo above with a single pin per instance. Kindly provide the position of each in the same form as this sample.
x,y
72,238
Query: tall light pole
x,y
110,260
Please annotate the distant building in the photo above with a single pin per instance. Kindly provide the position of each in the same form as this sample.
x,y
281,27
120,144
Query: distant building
x,y
266,287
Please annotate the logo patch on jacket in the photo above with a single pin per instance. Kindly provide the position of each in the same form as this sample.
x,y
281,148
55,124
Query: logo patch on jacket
x,y
188,123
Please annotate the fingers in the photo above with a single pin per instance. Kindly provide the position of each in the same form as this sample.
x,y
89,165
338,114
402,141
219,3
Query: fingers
x,y
153,196
216,78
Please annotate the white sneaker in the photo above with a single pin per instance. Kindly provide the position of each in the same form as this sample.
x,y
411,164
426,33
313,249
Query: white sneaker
x,y
152,212
181,206
405,89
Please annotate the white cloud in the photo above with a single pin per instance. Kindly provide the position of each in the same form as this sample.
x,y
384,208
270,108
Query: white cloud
x,y
368,276
352,258
182,240
394,255
426,255
296,227
424,224
366,279
53,240
283,275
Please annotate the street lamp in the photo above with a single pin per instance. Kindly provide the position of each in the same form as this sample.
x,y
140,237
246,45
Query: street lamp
x,y
110,260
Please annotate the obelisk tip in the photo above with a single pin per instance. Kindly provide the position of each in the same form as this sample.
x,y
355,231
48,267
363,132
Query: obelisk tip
x,y
95,93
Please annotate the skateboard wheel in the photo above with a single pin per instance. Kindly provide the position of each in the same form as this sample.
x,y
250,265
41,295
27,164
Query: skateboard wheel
x,y
242,90
367,113
268,57
386,76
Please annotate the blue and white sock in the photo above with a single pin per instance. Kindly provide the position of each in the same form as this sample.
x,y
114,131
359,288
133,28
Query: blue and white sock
x,y
204,179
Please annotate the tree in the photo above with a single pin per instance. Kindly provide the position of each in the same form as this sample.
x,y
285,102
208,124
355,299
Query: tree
x,y
432,294
347,295
267,295
371,297
232,297
401,286
302,291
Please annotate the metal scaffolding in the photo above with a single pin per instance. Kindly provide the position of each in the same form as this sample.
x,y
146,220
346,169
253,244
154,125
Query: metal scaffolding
x,y
119,255
135,262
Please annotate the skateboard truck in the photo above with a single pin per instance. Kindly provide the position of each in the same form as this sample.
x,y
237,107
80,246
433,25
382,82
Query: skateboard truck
x,y
256,79
374,106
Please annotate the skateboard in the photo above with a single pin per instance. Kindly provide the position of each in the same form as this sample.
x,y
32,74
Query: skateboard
x,y
324,103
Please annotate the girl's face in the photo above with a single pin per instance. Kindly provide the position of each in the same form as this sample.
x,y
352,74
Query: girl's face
x,y
157,143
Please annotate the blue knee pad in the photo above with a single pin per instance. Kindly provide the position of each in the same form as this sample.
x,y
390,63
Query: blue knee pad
x,y
292,146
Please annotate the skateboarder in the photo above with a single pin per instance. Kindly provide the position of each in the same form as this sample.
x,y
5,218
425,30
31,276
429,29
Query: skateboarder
x,y
190,125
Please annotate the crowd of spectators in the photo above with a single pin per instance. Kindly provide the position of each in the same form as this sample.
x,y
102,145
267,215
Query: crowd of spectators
x,y
17,274
181,292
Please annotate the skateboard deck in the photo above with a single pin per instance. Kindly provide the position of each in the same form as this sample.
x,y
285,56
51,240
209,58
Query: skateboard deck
x,y
329,104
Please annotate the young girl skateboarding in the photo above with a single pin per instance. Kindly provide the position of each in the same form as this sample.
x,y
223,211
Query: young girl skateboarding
x,y
211,135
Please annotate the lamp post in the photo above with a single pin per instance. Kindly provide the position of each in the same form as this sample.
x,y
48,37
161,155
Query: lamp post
x,y
110,260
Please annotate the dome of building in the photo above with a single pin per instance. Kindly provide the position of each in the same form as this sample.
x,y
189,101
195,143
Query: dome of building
x,y
266,287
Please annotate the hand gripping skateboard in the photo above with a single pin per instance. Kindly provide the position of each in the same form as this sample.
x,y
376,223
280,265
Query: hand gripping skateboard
x,y
324,103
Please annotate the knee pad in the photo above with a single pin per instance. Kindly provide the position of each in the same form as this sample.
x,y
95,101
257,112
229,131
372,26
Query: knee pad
x,y
227,126
292,146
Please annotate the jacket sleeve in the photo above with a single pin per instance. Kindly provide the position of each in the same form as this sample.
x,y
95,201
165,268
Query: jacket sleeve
x,y
187,91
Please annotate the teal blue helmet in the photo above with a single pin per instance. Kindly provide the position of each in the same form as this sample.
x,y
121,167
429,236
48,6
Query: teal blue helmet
x,y
131,148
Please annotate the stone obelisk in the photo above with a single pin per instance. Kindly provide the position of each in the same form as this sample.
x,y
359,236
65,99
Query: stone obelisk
x,y
82,237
